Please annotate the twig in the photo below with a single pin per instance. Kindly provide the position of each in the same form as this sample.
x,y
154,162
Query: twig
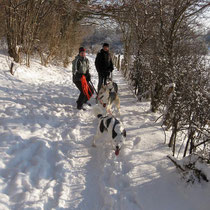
x,y
175,163
202,143
159,117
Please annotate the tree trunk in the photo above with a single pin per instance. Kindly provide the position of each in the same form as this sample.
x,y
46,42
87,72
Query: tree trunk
x,y
12,49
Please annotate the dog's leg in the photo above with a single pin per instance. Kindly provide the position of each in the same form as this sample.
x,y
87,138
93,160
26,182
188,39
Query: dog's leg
x,y
97,135
117,104
94,140
109,106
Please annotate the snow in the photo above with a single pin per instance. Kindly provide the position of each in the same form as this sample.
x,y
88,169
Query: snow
x,y
46,158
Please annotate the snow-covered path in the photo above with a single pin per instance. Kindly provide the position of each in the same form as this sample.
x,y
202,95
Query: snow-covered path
x,y
47,161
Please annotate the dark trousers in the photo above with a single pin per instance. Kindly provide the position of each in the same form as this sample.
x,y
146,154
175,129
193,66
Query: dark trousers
x,y
102,79
82,97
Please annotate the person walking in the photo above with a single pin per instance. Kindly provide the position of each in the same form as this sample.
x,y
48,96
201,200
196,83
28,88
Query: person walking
x,y
81,78
104,65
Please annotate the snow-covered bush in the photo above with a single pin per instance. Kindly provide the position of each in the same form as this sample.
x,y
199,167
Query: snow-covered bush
x,y
193,168
163,46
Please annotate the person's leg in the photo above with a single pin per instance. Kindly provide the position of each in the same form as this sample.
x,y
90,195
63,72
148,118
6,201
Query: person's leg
x,y
100,81
82,97
106,77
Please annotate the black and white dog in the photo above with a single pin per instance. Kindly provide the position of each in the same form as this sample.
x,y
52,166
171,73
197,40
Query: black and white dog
x,y
114,128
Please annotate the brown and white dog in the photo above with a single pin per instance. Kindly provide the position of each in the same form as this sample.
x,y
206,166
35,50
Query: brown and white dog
x,y
107,97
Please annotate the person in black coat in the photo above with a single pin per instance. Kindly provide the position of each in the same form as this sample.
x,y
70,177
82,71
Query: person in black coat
x,y
104,65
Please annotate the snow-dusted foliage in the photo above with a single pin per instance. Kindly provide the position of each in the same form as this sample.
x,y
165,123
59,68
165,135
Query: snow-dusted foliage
x,y
165,60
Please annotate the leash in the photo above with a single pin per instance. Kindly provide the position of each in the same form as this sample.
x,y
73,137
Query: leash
x,y
93,87
104,105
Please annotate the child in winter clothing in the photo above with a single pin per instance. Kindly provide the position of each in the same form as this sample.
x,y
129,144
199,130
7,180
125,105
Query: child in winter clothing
x,y
80,67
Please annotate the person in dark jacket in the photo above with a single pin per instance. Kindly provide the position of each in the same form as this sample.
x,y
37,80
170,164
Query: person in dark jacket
x,y
81,67
104,65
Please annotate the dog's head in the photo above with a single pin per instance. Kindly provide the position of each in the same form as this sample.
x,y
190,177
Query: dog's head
x,y
109,85
103,93
119,136
112,86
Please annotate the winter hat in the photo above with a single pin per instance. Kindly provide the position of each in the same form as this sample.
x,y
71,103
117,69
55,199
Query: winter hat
x,y
105,45
82,49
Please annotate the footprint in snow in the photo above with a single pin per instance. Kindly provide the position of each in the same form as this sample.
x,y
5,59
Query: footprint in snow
x,y
137,141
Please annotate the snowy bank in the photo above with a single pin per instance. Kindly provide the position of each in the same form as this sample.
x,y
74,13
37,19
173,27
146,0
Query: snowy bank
x,y
47,161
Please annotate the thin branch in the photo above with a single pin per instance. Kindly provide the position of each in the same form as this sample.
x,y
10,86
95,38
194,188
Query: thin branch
x,y
175,163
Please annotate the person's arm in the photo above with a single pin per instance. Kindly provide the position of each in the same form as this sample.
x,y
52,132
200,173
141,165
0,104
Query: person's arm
x,y
97,62
111,64
74,69
75,66
87,75
78,65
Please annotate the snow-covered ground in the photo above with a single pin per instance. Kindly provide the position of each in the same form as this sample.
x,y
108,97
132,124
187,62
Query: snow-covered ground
x,y
46,158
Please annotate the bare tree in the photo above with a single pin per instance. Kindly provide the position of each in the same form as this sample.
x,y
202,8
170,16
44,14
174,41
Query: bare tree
x,y
54,28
